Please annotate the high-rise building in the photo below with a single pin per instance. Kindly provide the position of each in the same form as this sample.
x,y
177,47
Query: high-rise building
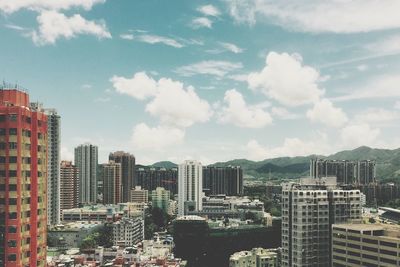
x,y
86,160
69,186
160,198
365,245
53,166
23,180
347,172
139,195
151,178
190,187
127,162
223,180
111,176
309,208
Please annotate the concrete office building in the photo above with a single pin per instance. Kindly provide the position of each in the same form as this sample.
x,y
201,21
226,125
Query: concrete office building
x,y
160,198
139,195
86,160
309,208
190,187
128,231
69,190
257,257
365,245
23,180
223,180
110,174
127,162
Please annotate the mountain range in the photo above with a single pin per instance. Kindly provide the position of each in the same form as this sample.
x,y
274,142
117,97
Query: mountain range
x,y
387,164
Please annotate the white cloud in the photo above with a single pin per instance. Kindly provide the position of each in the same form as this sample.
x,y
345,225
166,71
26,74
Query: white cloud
x,y
66,154
237,112
177,106
15,27
338,16
201,22
231,47
385,46
54,25
397,105
126,36
286,80
362,67
140,86
291,147
357,135
209,67
384,86
156,138
283,113
376,115
209,10
324,112
157,39
10,6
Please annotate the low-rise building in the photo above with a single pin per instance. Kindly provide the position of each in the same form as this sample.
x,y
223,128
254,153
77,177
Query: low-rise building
x,y
257,257
128,231
139,195
365,245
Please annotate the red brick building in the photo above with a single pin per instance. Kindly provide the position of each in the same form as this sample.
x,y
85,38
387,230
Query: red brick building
x,y
23,180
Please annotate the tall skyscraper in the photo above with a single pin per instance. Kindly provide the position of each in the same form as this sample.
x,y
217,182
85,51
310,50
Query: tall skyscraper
x,y
127,162
309,209
86,160
223,180
111,175
69,186
190,187
151,178
23,180
53,166
347,172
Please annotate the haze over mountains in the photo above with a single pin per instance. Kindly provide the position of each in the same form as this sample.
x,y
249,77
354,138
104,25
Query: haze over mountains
x,y
388,164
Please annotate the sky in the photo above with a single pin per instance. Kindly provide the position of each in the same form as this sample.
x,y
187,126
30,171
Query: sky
x,y
209,80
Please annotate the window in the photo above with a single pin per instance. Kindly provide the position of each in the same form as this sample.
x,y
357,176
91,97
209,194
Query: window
x,y
2,145
12,117
12,229
12,187
12,131
12,243
2,131
12,145
12,215
2,117
12,159
12,257
12,201
12,173
2,159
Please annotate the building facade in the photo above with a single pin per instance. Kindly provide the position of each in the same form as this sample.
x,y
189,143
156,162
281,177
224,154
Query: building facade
x,y
127,162
257,257
190,187
86,160
347,172
160,198
69,186
365,245
23,180
309,208
139,195
111,176
53,165
128,232
151,178
223,180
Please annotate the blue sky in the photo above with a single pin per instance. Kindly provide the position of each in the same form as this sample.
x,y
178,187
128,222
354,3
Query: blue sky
x,y
210,80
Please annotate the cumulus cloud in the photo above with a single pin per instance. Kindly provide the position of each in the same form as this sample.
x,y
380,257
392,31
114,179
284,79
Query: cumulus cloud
x,y
283,113
209,67
178,106
209,10
237,112
170,101
317,16
10,6
140,86
324,112
356,135
156,138
285,79
376,115
54,25
201,22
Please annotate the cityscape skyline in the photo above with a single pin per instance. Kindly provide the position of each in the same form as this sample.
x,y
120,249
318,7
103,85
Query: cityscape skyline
x,y
248,84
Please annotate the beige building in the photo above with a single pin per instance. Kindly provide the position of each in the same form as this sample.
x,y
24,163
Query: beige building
x,y
139,195
111,177
365,245
160,198
257,257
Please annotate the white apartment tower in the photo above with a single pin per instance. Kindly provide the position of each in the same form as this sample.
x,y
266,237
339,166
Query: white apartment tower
x,y
53,166
86,160
190,187
309,208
